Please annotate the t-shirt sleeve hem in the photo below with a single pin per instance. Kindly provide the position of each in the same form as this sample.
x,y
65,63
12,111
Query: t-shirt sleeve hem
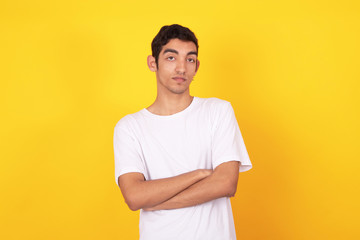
x,y
127,170
245,165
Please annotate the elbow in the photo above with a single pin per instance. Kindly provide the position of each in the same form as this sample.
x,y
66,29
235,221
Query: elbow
x,y
132,203
230,192
230,189
133,207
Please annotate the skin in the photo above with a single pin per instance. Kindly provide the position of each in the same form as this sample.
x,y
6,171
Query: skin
x,y
221,183
176,68
139,193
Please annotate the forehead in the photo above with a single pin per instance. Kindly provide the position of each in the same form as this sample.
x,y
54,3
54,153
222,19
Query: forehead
x,y
180,46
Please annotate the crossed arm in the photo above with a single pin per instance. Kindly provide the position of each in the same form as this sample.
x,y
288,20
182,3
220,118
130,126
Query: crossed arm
x,y
184,190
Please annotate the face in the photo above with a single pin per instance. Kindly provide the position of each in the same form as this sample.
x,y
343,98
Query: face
x,y
177,65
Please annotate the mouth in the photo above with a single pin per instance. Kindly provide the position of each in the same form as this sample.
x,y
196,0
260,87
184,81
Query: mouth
x,y
179,79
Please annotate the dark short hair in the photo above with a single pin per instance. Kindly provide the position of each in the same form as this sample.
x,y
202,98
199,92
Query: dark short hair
x,y
167,33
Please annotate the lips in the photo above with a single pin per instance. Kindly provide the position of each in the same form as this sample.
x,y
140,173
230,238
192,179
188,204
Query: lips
x,y
179,79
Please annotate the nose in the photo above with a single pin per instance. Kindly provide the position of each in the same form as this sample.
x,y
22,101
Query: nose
x,y
180,66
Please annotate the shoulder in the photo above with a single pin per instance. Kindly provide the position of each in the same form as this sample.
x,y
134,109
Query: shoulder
x,y
217,110
214,104
127,122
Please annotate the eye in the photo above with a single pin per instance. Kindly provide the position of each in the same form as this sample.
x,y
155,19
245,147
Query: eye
x,y
171,58
191,60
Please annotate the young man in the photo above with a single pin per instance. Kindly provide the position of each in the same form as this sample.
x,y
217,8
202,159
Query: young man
x,y
178,160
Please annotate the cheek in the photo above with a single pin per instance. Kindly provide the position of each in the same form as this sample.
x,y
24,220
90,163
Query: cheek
x,y
192,66
192,69
164,72
168,67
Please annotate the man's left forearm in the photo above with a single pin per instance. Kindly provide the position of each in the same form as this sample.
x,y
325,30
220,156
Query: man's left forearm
x,y
222,183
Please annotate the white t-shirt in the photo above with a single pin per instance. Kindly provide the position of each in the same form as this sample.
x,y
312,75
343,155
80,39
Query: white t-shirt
x,y
202,136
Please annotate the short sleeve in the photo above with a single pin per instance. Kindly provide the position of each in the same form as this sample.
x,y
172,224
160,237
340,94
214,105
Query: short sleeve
x,y
127,152
228,143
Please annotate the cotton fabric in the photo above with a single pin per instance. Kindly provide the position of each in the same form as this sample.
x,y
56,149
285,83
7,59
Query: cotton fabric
x,y
203,136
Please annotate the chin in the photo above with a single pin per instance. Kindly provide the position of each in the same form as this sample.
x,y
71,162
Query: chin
x,y
178,91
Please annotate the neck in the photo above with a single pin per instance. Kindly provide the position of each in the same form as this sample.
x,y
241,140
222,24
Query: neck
x,y
170,104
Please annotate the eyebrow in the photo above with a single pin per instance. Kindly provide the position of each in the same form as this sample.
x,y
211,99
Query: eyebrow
x,y
176,52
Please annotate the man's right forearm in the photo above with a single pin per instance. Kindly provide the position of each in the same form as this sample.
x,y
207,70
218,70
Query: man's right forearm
x,y
139,193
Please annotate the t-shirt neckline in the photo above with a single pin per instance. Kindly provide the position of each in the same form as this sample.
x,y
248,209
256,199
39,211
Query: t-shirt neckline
x,y
188,108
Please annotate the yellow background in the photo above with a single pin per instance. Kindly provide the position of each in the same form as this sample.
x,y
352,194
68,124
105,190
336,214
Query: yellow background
x,y
70,70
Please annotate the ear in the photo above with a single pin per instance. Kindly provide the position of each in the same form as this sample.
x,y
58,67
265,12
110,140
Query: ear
x,y
197,65
151,63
